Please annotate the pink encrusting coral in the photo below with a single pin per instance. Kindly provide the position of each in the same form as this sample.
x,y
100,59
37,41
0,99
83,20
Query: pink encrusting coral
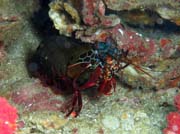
x,y
173,123
8,117
138,47
93,13
173,119
92,9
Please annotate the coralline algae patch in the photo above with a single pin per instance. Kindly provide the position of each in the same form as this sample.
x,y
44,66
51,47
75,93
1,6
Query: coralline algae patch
x,y
33,97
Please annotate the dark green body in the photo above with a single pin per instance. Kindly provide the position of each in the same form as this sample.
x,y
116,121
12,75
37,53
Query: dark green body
x,y
56,53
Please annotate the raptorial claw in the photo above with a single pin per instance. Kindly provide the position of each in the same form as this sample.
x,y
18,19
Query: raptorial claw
x,y
106,86
96,78
93,79
76,104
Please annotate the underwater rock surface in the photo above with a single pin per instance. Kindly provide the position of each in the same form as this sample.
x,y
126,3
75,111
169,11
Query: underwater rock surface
x,y
140,103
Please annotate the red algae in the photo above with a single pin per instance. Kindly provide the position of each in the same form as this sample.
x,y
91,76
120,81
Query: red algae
x,y
8,117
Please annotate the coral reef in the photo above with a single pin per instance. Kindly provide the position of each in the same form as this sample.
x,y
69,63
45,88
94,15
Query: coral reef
x,y
150,30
